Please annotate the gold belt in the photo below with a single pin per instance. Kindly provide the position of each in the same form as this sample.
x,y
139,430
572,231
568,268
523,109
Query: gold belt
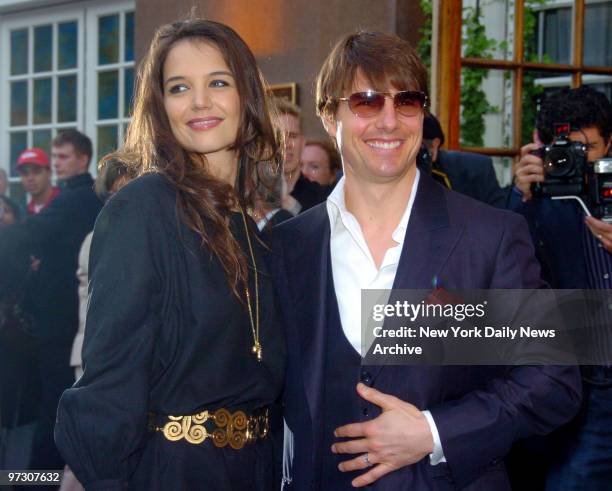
x,y
234,429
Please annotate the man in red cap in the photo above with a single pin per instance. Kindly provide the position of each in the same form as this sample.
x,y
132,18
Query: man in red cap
x,y
35,172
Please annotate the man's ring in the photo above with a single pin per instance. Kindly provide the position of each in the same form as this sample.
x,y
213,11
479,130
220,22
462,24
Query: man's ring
x,y
367,460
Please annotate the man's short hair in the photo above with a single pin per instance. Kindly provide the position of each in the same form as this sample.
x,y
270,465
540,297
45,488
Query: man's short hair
x,y
80,142
583,107
383,59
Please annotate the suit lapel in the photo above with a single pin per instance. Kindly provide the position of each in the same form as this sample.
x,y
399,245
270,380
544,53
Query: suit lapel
x,y
428,242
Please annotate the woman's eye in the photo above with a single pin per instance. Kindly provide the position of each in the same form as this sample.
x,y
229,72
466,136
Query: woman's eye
x,y
219,83
177,89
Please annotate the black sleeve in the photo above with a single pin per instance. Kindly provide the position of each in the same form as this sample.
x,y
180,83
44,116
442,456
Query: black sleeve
x,y
101,421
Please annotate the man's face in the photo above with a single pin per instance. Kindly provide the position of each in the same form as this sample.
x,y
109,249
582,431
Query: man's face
x,y
315,165
379,149
67,162
597,147
294,142
35,179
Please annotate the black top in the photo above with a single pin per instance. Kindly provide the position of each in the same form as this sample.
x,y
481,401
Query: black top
x,y
309,193
166,335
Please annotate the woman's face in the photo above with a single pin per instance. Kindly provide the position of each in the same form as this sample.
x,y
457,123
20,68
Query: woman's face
x,y
202,103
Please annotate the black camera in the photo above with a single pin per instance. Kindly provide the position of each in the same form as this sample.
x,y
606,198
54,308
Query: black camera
x,y
565,166
600,189
568,175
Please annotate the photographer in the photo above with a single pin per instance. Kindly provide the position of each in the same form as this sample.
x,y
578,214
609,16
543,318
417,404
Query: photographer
x,y
575,252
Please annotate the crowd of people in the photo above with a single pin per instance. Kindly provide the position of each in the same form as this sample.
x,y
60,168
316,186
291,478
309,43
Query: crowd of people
x,y
206,333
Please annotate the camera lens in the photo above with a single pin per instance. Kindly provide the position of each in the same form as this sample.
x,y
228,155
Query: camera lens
x,y
558,162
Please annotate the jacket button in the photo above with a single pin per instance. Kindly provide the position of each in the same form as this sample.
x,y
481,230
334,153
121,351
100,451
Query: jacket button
x,y
365,411
366,377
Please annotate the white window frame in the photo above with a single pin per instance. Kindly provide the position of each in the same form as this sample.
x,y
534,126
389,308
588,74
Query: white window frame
x,y
30,21
92,123
86,13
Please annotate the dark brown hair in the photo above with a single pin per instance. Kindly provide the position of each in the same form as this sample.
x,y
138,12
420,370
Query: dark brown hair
x,y
383,59
80,142
110,170
203,202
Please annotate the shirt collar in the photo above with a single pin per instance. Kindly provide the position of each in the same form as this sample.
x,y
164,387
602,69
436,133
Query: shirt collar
x,y
336,208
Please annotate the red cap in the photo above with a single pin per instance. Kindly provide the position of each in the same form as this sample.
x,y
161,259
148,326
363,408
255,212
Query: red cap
x,y
33,156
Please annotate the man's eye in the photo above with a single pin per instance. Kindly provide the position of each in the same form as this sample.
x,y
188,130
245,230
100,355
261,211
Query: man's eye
x,y
177,89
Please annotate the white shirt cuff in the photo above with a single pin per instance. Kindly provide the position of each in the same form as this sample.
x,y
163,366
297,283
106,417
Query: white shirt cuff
x,y
437,455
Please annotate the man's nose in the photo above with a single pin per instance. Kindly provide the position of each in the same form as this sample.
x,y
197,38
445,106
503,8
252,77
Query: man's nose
x,y
387,119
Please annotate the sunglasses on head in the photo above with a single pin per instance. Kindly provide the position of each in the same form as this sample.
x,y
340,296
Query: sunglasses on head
x,y
370,103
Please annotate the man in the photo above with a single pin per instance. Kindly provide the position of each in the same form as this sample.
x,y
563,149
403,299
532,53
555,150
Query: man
x,y
321,162
468,173
575,251
387,224
300,194
35,172
57,232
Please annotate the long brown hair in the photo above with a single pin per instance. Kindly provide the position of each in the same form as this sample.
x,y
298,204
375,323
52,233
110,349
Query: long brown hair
x,y
204,202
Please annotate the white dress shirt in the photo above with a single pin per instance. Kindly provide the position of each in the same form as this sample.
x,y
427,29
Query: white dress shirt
x,y
354,269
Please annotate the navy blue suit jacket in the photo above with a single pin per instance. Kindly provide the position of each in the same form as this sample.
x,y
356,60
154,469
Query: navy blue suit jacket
x,y
479,411
472,174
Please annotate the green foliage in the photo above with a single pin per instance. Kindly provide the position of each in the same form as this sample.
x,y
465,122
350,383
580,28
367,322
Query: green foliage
x,y
424,46
474,103
531,91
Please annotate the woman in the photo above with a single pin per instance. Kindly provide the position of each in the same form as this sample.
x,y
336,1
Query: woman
x,y
183,354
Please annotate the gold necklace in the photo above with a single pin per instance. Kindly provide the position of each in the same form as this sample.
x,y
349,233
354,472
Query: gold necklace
x,y
257,348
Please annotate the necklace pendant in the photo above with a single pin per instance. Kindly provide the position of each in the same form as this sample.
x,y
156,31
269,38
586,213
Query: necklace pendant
x,y
257,350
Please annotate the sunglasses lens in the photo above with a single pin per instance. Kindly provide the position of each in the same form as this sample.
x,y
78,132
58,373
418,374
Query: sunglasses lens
x,y
409,103
366,104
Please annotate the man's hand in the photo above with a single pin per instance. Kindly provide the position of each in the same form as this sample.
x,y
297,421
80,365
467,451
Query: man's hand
x,y
529,169
400,436
601,230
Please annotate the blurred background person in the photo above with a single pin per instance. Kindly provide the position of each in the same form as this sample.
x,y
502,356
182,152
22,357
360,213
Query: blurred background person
x,y
3,182
54,235
299,193
19,377
35,172
468,173
321,162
